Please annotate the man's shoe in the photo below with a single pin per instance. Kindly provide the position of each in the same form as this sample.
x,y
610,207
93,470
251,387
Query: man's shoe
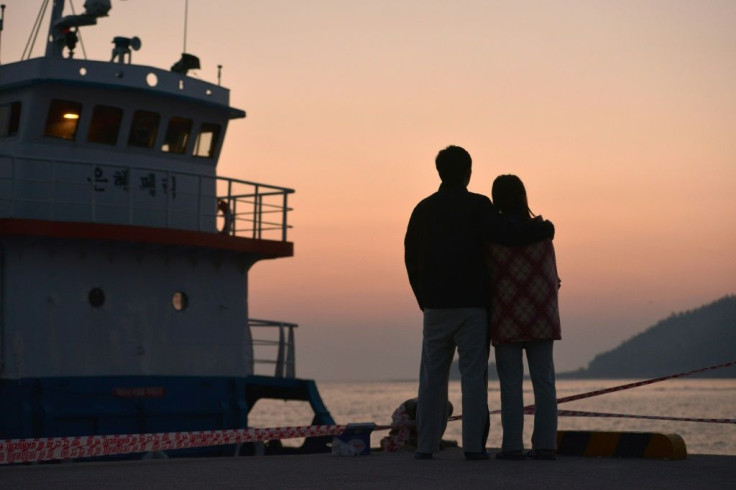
x,y
418,455
477,456
516,455
542,454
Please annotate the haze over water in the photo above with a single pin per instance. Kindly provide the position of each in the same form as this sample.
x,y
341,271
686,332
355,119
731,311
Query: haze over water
x,y
688,398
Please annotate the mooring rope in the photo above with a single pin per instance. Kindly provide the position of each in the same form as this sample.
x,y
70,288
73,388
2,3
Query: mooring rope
x,y
530,408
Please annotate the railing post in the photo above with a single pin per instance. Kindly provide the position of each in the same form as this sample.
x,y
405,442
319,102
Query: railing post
x,y
290,357
259,202
232,231
255,211
284,225
280,358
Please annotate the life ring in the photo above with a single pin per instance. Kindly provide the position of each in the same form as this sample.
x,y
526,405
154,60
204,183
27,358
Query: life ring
x,y
223,209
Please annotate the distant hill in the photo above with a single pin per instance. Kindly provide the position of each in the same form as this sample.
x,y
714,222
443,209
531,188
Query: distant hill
x,y
683,342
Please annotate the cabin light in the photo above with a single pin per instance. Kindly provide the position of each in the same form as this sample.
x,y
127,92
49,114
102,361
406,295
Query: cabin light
x,y
71,115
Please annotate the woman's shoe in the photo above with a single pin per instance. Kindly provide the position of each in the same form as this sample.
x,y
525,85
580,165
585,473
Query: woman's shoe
x,y
514,455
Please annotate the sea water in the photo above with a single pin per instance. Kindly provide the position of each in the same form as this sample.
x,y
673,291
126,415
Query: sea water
x,y
350,402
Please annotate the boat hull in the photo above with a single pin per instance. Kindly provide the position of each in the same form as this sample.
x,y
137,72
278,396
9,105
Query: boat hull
x,y
103,405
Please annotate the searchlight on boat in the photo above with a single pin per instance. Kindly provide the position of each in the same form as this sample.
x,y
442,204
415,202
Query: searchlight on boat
x,y
123,45
186,63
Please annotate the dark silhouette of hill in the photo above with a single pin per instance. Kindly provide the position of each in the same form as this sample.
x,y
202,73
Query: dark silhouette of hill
x,y
685,341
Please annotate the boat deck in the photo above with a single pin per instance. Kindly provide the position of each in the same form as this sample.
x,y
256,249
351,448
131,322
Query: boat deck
x,y
448,470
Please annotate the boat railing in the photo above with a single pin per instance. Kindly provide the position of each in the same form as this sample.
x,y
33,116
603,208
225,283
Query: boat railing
x,y
281,340
255,209
96,192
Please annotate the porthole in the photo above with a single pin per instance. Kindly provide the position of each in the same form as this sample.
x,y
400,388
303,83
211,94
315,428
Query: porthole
x,y
83,71
179,301
96,297
151,79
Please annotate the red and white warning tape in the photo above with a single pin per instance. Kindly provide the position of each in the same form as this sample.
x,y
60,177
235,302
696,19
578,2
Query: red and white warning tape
x,y
54,448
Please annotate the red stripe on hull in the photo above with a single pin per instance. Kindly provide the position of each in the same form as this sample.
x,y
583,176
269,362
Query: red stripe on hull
x,y
142,234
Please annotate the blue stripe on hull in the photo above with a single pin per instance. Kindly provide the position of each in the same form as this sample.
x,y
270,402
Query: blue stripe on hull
x,y
76,406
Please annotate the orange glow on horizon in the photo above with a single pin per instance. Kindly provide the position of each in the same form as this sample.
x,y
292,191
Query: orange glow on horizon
x,y
618,117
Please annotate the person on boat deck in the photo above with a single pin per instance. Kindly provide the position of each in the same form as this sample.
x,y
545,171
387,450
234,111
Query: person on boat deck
x,y
444,256
524,317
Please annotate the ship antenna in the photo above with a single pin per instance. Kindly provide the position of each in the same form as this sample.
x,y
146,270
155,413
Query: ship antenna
x,y
187,61
2,16
186,21
34,31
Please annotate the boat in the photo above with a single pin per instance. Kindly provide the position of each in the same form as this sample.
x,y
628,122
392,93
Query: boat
x,y
124,256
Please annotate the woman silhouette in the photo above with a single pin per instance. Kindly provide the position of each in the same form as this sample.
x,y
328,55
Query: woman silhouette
x,y
524,317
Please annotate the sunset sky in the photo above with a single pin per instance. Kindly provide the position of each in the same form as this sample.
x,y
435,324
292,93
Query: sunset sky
x,y
619,116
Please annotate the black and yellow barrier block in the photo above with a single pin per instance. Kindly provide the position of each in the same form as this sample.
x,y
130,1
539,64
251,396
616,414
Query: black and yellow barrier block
x,y
621,444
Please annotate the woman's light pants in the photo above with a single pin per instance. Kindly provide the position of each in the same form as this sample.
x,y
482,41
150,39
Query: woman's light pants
x,y
510,370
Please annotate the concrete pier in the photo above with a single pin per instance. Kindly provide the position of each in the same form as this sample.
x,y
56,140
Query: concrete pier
x,y
447,470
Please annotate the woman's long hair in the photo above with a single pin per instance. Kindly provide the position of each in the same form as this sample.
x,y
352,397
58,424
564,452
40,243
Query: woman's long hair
x,y
509,197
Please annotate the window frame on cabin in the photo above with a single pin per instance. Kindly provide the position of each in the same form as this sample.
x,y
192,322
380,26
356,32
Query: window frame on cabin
x,y
58,123
104,128
215,131
143,129
10,119
178,132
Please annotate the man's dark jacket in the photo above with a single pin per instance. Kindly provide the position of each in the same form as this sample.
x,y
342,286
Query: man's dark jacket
x,y
445,242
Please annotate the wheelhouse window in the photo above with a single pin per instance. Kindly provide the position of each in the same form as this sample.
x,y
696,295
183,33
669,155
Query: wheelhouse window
x,y
105,125
144,128
207,140
177,135
9,119
63,119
